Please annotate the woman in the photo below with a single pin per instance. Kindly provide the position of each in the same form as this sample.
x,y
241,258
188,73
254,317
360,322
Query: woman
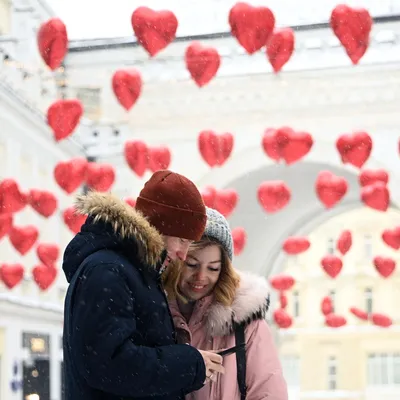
x,y
209,300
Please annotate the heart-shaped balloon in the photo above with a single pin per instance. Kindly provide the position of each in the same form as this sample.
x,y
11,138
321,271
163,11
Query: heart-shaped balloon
x,y
52,41
251,26
369,176
287,144
326,306
43,202
280,48
48,253
282,318
381,320
332,265
127,86
282,282
360,314
295,245
100,177
202,63
63,117
70,175
335,321
385,266
159,158
12,199
209,194
23,238
283,300
11,274
44,276
215,149
226,201
273,195
330,188
352,26
154,30
130,201
73,220
354,148
137,156
6,221
392,237
239,240
376,196
344,242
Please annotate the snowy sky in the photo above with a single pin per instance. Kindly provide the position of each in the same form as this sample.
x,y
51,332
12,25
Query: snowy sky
x,y
111,18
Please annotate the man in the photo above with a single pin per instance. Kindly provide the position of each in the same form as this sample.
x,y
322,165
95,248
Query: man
x,y
119,340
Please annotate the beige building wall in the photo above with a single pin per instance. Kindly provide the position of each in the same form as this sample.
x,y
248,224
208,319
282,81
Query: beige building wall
x,y
5,17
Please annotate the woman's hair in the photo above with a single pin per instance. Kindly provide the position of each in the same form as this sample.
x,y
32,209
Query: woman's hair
x,y
225,288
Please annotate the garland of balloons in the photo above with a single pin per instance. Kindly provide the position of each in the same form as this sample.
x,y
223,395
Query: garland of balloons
x,y
254,29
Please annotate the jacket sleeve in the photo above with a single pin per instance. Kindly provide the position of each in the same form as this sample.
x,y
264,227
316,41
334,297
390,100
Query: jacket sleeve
x,y
105,355
264,378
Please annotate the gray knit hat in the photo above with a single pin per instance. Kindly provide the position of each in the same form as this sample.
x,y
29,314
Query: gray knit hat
x,y
217,228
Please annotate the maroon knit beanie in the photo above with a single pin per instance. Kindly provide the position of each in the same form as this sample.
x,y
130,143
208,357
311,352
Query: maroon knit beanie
x,y
173,205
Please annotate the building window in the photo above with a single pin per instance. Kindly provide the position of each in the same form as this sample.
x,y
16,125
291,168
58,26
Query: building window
x,y
296,304
331,246
332,373
332,295
91,101
383,369
291,370
368,246
368,296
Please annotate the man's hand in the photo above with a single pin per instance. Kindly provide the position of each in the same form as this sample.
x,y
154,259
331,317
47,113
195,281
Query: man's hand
x,y
213,363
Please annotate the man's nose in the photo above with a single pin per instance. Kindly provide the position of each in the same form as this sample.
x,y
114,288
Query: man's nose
x,y
181,254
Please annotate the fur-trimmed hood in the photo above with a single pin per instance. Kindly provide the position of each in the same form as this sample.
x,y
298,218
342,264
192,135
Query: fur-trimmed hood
x,y
112,223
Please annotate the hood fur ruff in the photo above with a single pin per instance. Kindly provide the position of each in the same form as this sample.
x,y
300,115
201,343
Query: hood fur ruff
x,y
126,222
251,303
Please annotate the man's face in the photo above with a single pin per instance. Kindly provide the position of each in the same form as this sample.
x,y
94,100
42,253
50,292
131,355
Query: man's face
x,y
177,248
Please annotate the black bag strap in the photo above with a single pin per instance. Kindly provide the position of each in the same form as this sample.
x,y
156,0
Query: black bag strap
x,y
241,361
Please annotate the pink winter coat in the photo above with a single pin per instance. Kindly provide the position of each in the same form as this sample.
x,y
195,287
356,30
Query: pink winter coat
x,y
210,328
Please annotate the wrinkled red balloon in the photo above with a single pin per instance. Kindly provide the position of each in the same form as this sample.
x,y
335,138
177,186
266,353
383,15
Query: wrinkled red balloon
x,y
100,177
70,175
332,265
283,300
354,148
127,86
392,237
23,238
73,219
239,240
370,176
215,149
282,318
130,201
44,276
344,242
385,266
273,195
360,314
6,221
330,188
280,48
326,306
376,196
11,274
48,253
296,245
12,199
282,282
43,202
335,321
137,156
159,158
381,320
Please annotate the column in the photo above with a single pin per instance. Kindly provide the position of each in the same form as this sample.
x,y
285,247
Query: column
x,y
55,366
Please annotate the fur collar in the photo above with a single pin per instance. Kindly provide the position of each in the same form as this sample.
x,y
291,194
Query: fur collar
x,y
127,222
251,303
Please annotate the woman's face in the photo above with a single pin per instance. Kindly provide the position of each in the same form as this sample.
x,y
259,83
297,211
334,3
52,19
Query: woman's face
x,y
200,272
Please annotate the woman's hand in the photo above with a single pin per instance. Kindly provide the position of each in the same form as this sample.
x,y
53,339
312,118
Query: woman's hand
x,y
213,363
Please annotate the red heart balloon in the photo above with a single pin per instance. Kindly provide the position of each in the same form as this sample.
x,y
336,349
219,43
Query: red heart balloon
x,y
23,238
215,149
127,86
63,117
239,240
130,201
159,158
376,196
154,30
52,41
226,201
282,318
352,26
385,266
137,156
12,199
354,148
326,306
44,202
286,144
296,245
344,242
11,274
202,63
335,321
73,220
100,177
283,300
44,276
391,237
332,265
330,188
282,282
273,195
381,320
359,313
6,221
209,194
48,253
251,26
70,175
280,48
369,176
